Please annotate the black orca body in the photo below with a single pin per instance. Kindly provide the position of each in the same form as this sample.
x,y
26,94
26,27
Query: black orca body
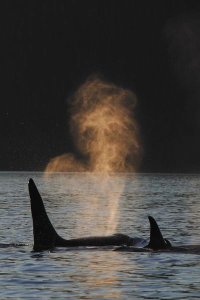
x,y
156,242
46,237
184,249
159,244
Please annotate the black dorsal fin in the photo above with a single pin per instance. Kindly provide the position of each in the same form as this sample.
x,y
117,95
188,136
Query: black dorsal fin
x,y
44,234
156,239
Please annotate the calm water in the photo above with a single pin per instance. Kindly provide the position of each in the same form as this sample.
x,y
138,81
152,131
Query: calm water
x,y
78,205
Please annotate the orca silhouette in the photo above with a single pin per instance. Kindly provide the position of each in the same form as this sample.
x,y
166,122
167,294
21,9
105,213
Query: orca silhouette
x,y
158,244
46,237
156,241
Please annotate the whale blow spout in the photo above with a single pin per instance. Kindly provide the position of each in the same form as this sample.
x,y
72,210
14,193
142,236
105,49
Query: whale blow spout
x,y
46,237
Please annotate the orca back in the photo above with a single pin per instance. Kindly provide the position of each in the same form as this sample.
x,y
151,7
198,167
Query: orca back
x,y
44,234
46,237
156,239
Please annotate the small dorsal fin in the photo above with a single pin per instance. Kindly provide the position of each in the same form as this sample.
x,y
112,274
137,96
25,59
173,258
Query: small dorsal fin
x,y
44,233
156,239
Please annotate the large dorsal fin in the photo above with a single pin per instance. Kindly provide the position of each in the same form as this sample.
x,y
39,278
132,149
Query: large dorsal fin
x,y
156,239
45,236
44,233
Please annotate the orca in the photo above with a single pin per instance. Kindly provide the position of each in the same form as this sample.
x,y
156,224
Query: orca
x,y
46,237
156,242
159,244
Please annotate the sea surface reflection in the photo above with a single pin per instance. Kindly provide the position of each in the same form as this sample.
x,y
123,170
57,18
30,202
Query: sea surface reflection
x,y
79,206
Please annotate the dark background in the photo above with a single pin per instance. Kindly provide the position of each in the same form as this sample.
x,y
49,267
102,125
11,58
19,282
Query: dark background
x,y
51,47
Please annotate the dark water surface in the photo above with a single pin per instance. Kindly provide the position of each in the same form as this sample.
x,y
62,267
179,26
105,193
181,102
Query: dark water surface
x,y
82,205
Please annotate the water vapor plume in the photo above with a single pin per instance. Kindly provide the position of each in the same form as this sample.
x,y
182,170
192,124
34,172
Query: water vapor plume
x,y
183,37
104,130
105,134
182,34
